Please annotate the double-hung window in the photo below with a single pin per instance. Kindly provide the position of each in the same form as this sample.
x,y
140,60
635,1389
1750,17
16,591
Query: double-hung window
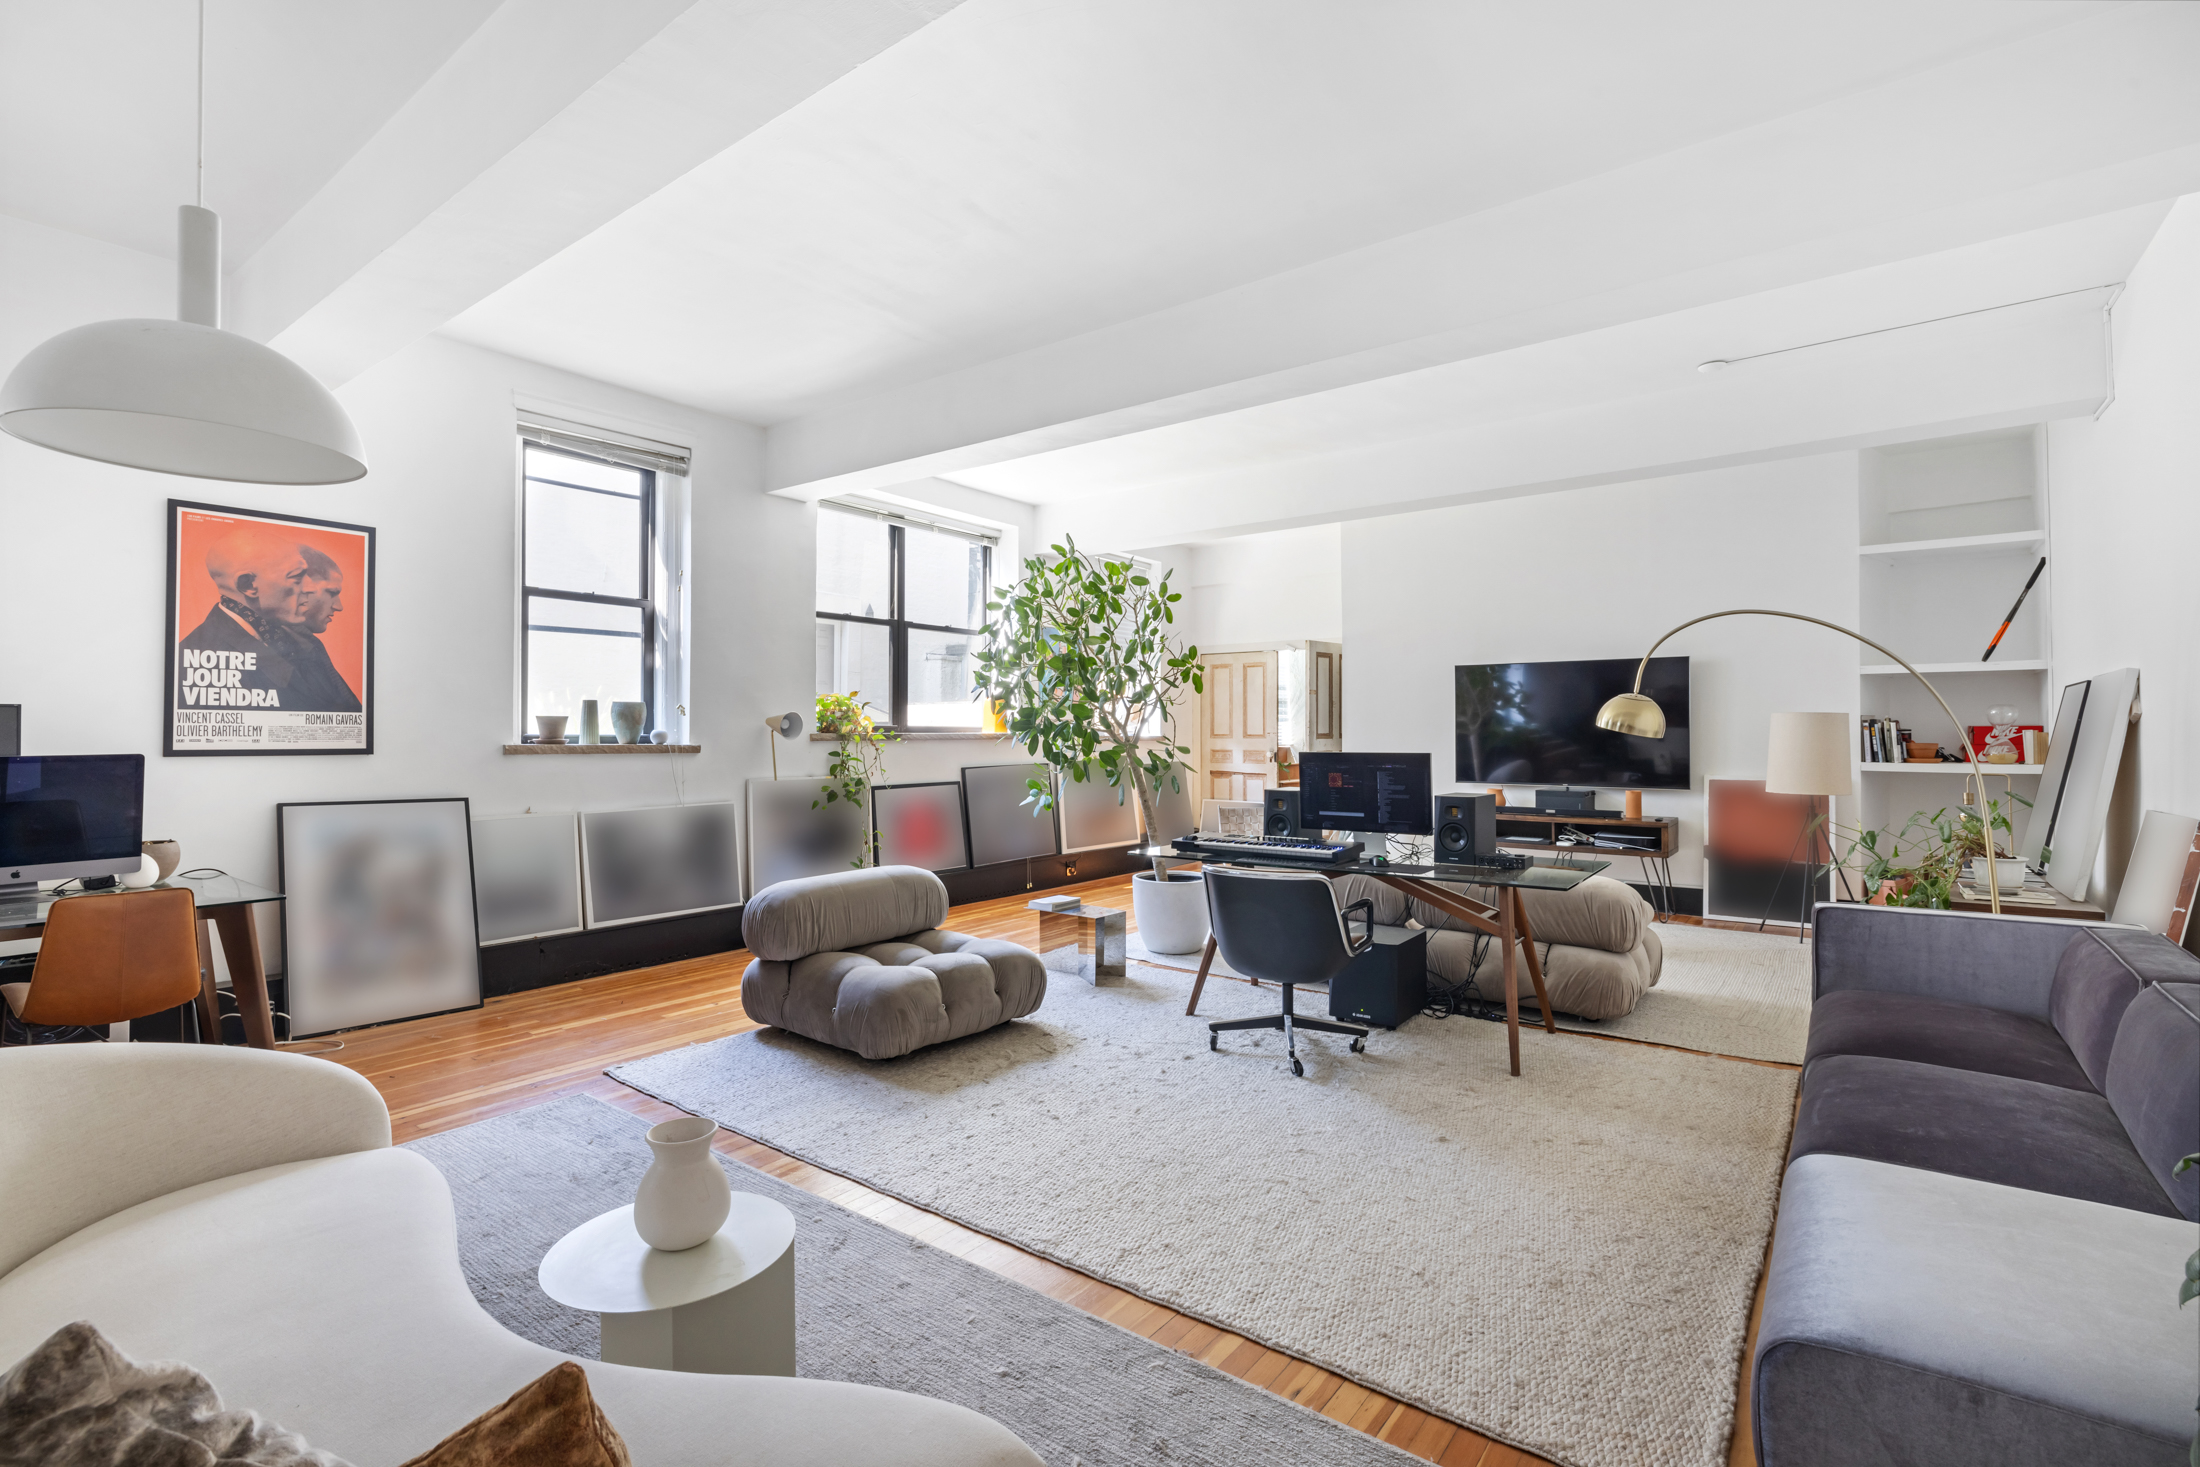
x,y
900,610
596,596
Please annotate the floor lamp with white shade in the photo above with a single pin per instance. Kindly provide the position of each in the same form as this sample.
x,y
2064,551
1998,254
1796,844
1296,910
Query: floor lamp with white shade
x,y
1809,754
1638,714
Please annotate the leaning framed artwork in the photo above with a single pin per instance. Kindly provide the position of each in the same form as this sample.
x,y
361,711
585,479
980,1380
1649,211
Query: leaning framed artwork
x,y
270,634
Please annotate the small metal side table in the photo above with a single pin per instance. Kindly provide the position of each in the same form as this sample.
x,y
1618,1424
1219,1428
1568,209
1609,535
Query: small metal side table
x,y
1086,941
723,1307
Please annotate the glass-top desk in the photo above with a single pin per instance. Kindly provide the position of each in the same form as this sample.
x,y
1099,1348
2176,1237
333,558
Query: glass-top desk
x,y
224,906
1504,918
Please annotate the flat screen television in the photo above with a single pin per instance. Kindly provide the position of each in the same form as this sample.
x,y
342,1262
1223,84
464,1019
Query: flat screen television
x,y
1536,723
1378,794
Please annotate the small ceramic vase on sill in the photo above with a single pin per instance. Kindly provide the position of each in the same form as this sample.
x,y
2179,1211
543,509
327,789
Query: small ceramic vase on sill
x,y
626,721
684,1196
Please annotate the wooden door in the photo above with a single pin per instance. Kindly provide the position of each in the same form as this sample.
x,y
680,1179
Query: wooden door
x,y
1324,732
1239,717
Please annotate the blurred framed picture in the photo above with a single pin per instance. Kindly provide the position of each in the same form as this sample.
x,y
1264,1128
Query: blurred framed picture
x,y
378,912
270,633
920,825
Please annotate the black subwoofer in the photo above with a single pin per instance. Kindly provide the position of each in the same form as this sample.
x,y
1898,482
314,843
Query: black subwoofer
x,y
1466,828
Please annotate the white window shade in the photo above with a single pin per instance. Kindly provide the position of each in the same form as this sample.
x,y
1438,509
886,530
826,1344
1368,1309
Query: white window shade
x,y
624,448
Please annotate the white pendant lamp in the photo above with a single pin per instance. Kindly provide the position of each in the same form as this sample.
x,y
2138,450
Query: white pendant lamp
x,y
183,396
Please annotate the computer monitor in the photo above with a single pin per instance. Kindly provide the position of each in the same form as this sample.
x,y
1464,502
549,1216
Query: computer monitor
x,y
69,815
1381,794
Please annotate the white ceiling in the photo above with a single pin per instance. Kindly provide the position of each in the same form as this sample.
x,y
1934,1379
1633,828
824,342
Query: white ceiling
x,y
97,100
1018,172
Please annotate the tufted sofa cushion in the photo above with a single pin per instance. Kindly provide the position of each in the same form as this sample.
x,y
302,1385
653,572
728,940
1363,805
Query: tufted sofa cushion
x,y
841,912
878,993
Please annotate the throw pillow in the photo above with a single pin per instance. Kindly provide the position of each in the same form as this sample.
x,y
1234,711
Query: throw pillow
x,y
552,1422
77,1401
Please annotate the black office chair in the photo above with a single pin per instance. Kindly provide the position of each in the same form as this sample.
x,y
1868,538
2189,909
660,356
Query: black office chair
x,y
1284,926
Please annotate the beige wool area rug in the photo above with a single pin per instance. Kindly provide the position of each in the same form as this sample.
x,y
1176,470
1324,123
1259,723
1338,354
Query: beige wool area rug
x,y
1563,1260
1745,994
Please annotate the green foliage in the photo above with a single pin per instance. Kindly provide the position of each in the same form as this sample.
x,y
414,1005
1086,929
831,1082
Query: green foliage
x,y
1078,655
2190,1288
1921,863
856,763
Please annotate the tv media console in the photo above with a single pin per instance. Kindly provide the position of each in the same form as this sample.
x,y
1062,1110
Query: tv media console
x,y
1652,840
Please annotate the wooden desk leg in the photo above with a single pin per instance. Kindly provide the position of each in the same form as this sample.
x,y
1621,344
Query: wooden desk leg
x,y
247,979
1206,959
210,1008
1512,981
1535,964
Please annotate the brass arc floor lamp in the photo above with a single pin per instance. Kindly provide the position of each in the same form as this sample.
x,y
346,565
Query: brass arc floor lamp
x,y
1637,714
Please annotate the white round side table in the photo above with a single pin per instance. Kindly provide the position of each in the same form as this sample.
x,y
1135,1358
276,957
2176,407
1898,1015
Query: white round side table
x,y
723,1307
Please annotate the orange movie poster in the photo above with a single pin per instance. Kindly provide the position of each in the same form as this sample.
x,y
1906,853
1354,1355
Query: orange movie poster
x,y
270,633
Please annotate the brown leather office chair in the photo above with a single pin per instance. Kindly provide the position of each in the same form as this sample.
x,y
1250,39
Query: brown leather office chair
x,y
108,959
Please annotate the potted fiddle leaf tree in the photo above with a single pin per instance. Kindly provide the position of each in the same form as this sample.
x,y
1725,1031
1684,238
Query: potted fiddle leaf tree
x,y
1078,656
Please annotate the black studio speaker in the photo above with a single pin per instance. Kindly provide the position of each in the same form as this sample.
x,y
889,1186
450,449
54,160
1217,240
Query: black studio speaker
x,y
1466,828
1280,815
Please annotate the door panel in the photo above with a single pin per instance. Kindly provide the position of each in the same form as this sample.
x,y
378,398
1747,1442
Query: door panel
x,y
1325,697
1240,714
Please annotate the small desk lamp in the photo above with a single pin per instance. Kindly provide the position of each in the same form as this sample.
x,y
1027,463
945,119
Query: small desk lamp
x,y
1809,754
785,726
1633,713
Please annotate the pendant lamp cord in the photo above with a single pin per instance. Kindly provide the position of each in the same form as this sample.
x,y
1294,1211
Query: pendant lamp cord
x,y
200,193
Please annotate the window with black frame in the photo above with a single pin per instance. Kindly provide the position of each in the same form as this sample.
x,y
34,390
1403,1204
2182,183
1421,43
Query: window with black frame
x,y
900,611
590,620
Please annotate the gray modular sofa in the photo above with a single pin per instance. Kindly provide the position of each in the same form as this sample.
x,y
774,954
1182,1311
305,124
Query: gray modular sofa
x,y
1599,949
244,1212
1981,1233
857,960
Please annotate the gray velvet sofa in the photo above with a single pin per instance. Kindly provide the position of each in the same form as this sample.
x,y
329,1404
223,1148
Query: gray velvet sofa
x,y
857,960
1981,1232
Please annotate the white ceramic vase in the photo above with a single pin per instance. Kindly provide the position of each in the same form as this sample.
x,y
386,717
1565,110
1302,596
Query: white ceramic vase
x,y
626,721
684,1195
1172,914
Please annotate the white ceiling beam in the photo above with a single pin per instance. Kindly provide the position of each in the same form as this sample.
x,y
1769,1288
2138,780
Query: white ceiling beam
x,y
2087,118
555,117
2029,364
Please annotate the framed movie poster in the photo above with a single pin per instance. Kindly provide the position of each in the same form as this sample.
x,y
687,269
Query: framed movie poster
x,y
270,633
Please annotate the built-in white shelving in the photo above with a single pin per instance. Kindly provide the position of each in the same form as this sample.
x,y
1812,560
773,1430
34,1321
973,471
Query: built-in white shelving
x,y
1948,532
1962,769
1958,545
1934,669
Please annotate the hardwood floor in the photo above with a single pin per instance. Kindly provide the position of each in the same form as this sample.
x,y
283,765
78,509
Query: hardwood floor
x,y
436,1074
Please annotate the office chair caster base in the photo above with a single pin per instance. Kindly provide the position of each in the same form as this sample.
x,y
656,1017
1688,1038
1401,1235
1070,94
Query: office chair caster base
x,y
1359,1046
1297,1068
1214,1042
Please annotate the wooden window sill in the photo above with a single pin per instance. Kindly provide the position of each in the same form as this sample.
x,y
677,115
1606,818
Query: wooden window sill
x,y
603,748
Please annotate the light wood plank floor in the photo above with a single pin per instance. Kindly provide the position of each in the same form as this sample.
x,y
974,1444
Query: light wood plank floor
x,y
444,1072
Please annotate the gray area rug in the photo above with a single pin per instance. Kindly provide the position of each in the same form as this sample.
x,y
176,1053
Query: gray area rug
x,y
878,1308
1564,1260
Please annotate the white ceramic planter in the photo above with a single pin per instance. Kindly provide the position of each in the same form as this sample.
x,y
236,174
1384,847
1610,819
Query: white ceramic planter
x,y
684,1195
2008,872
1172,915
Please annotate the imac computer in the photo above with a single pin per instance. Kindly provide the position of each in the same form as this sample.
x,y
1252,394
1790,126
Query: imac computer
x,y
1374,794
68,815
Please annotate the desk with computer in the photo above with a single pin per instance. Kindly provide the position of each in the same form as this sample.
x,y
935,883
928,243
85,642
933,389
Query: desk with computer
x,y
77,820
1308,831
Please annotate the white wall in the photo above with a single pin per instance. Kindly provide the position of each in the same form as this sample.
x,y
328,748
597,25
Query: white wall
x,y
1601,572
1282,586
2126,503
82,547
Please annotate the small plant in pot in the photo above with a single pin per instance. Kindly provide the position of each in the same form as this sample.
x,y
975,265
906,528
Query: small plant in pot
x,y
1079,658
856,763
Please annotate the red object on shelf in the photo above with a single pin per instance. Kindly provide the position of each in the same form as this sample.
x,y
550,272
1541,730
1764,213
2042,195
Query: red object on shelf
x,y
1979,732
